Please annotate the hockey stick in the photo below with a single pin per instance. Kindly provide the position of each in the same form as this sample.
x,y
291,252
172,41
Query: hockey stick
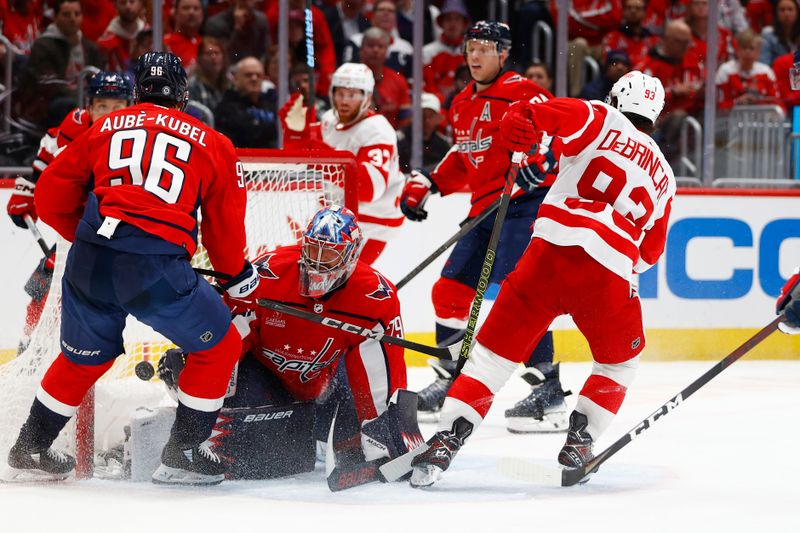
x,y
527,471
466,226
37,235
310,54
488,261
448,353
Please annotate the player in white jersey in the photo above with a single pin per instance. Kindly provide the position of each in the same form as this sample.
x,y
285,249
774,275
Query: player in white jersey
x,y
604,219
351,125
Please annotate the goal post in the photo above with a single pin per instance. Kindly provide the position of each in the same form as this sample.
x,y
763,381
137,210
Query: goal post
x,y
284,189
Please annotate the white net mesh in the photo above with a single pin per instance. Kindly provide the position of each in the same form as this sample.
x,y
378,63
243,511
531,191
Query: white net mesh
x,y
282,197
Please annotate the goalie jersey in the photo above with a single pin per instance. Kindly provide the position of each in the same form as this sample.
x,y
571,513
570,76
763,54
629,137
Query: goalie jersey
x,y
304,355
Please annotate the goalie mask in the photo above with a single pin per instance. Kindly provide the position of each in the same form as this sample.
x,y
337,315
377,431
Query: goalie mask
x,y
330,248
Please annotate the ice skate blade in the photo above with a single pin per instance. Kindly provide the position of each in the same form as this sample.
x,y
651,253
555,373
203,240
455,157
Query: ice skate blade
x,y
9,474
428,416
425,476
549,424
166,475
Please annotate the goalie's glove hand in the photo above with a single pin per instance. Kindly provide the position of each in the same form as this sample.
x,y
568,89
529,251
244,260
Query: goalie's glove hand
x,y
169,368
415,193
788,304
517,132
21,202
242,284
535,166
294,113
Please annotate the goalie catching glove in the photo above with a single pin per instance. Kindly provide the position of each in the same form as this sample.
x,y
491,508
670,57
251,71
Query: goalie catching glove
x,y
415,193
517,131
535,166
296,119
242,284
21,202
789,305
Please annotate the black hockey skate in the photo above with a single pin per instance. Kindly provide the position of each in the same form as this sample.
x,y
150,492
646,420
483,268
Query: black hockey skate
x,y
431,398
577,451
544,409
193,466
442,449
26,466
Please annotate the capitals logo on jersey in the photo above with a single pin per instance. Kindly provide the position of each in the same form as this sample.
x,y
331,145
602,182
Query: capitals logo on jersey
x,y
383,292
263,269
306,369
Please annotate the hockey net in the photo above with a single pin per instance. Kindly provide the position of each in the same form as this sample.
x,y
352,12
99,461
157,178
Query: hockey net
x,y
285,188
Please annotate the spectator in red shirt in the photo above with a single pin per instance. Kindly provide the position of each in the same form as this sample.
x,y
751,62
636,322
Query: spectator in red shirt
x,y
759,12
782,37
631,37
697,19
116,41
789,97
185,40
384,16
660,12
99,14
682,77
391,96
22,22
745,81
442,57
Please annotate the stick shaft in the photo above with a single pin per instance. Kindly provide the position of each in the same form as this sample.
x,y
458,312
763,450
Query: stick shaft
x,y
37,235
466,227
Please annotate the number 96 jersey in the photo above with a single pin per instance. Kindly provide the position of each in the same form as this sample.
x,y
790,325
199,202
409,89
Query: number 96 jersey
x,y
614,189
152,167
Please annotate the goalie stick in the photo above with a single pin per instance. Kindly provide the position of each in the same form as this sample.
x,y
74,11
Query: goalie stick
x,y
449,353
466,226
544,475
488,261
37,235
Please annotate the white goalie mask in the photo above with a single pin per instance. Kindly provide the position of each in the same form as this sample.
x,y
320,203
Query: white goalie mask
x,y
330,249
354,76
638,93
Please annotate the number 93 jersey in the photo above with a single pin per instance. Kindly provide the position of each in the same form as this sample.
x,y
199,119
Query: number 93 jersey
x,y
614,188
152,167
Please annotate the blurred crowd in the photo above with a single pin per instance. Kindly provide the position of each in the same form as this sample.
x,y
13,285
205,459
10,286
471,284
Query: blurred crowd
x,y
229,50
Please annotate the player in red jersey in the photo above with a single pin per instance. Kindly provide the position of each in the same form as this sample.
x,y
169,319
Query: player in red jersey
x,y
604,220
287,359
126,193
478,161
108,91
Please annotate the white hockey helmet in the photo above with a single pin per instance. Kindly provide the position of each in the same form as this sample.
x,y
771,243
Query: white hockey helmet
x,y
638,93
354,76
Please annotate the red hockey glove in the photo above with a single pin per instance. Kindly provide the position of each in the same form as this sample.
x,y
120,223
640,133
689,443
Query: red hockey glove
x,y
416,192
517,131
789,304
21,202
296,119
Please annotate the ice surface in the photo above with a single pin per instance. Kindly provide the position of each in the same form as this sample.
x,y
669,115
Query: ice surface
x,y
724,461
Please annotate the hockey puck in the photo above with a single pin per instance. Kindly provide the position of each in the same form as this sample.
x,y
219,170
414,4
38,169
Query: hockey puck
x,y
144,370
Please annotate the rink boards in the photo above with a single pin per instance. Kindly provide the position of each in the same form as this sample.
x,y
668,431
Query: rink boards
x,y
726,258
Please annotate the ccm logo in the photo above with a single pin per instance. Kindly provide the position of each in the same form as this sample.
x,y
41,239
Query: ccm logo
x,y
268,416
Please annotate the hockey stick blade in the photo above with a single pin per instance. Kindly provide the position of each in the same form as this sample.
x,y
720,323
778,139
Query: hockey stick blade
x,y
527,471
466,226
448,353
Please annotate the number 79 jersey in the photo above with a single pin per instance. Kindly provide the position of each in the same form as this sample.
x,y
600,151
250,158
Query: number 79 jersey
x,y
152,167
614,189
